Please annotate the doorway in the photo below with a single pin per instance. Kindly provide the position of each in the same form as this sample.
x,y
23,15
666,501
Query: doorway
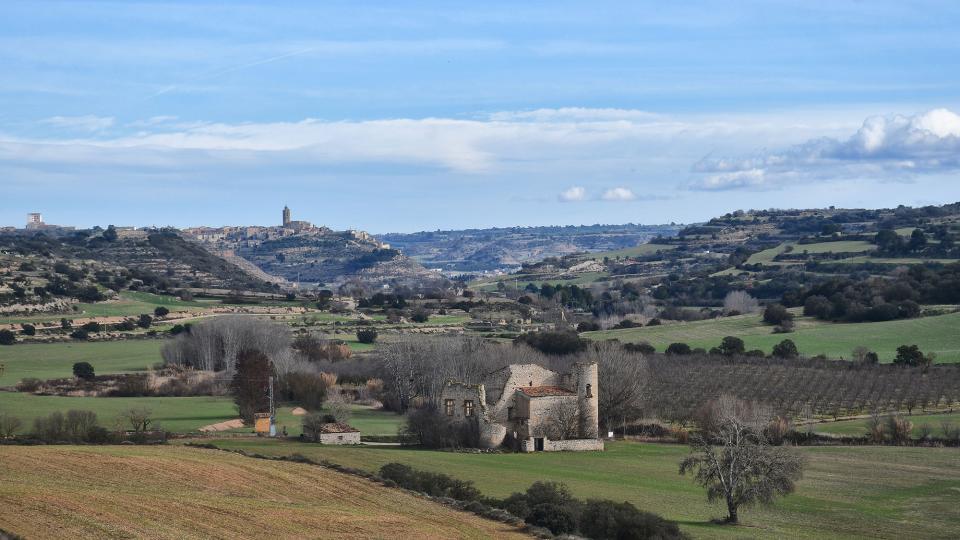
x,y
538,444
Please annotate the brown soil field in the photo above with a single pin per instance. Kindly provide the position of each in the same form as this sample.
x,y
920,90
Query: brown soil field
x,y
179,492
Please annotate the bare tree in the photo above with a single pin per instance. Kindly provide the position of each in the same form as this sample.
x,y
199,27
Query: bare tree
x,y
9,425
337,405
213,345
138,418
621,377
734,461
740,302
562,421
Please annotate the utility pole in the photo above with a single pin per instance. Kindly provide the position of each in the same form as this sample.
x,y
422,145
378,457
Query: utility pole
x,y
273,415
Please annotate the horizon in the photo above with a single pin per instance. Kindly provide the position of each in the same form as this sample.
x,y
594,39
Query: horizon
x,y
405,119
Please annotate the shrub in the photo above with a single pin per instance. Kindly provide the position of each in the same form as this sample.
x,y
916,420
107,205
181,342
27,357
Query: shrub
x,y
428,428
92,326
144,321
433,484
49,428
627,323
731,346
603,520
559,519
911,355
776,314
553,341
28,330
80,334
654,322
83,370
132,386
311,425
7,337
125,326
678,349
160,311
756,353
786,349
30,384
588,326
420,316
366,335
643,347
899,429
307,389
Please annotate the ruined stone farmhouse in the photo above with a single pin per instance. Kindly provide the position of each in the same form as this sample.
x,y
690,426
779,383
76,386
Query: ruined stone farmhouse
x,y
530,407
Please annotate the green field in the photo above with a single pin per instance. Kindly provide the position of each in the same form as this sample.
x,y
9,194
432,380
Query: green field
x,y
130,304
846,492
176,414
375,422
859,426
55,360
939,334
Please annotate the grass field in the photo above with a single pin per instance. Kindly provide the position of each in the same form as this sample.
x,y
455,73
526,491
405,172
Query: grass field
x,y
859,426
129,304
175,414
179,492
55,360
637,251
376,422
939,334
846,492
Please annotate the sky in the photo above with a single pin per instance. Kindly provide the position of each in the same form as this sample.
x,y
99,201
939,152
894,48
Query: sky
x,y
406,116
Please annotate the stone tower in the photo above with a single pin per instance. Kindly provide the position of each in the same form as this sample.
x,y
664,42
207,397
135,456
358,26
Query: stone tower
x,y
286,216
586,376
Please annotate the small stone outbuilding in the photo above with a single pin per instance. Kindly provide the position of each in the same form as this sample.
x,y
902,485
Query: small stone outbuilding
x,y
339,433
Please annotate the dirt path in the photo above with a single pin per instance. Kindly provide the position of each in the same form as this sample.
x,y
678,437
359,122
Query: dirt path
x,y
223,426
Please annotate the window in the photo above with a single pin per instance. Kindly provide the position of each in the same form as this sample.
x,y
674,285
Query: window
x,y
448,407
589,390
339,437
468,407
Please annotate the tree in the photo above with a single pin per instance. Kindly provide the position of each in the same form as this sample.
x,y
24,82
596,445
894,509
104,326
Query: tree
x,y
559,342
160,311
911,355
366,335
251,384
83,370
9,425
786,349
140,419
731,346
918,240
734,462
80,334
144,321
776,314
739,302
312,425
7,337
28,330
420,316
678,349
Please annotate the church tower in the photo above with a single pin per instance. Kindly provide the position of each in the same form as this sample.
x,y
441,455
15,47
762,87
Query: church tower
x,y
286,216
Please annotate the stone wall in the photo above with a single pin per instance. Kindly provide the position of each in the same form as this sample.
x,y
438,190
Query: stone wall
x,y
340,438
569,445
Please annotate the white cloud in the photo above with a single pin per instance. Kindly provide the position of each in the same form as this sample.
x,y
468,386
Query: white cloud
x,y
575,193
81,123
618,194
884,147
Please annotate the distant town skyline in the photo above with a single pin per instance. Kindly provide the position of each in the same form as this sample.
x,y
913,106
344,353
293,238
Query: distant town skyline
x,y
399,118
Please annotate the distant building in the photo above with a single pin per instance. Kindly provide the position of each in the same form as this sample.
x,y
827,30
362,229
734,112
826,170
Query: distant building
x,y
286,216
339,433
34,220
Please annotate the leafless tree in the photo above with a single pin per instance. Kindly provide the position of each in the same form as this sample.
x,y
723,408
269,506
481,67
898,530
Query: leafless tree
x,y
741,302
734,461
9,425
140,419
562,421
337,405
621,378
312,424
213,345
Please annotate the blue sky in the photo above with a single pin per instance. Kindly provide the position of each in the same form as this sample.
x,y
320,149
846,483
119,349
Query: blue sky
x,y
404,116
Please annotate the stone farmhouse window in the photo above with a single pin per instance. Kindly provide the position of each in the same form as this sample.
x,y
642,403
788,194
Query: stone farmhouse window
x,y
589,390
448,406
468,407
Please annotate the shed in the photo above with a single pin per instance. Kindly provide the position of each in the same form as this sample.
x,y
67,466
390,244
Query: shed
x,y
339,433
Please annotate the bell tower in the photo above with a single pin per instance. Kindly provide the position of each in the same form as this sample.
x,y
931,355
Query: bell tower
x,y
286,216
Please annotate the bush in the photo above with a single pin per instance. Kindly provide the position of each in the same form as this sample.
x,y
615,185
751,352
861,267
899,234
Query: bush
x,y
306,389
125,326
643,347
776,314
731,346
160,311
366,335
30,384
9,425
28,330
678,349
627,323
553,341
83,370
433,484
588,326
144,321
786,349
911,355
133,386
559,519
608,520
420,316
312,425
80,334
92,326
7,337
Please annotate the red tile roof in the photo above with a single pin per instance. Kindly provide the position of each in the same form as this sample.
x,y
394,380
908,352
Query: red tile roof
x,y
545,391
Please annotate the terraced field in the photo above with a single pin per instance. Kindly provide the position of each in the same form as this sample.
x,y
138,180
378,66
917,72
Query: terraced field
x,y
859,426
179,492
939,334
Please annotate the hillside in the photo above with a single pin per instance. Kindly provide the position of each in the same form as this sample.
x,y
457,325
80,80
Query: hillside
x,y
476,250
177,492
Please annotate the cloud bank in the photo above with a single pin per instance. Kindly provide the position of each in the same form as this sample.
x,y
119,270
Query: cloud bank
x,y
884,147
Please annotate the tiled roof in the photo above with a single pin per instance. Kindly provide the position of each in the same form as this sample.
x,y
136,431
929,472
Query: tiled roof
x,y
338,427
545,391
